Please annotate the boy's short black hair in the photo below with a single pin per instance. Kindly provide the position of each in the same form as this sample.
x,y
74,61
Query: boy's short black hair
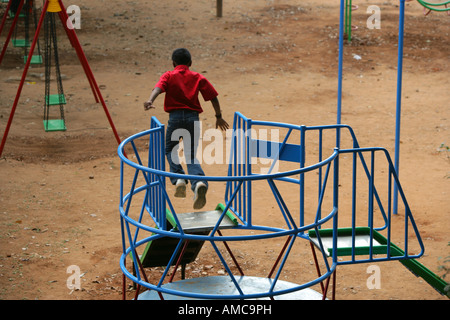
x,y
182,56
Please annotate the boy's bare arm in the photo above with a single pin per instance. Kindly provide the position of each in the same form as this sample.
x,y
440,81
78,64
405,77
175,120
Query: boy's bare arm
x,y
220,122
149,104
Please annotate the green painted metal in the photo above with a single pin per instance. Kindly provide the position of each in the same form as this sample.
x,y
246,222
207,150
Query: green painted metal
x,y
55,99
433,6
417,268
35,59
54,125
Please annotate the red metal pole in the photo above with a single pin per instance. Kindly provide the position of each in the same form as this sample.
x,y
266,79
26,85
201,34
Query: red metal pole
x,y
73,43
179,260
24,75
11,30
89,74
317,265
279,256
231,254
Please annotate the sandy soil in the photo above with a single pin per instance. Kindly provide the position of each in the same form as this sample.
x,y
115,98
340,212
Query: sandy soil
x,y
269,59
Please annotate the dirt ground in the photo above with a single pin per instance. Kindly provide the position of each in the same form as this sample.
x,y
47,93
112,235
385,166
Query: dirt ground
x,y
269,59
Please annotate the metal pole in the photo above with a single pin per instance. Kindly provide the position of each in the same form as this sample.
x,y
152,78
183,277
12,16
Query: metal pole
x,y
341,57
219,8
64,17
66,24
399,99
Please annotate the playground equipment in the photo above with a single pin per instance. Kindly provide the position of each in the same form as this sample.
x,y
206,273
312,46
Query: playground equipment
x,y
51,8
349,7
154,233
27,14
427,8
313,203
431,6
59,99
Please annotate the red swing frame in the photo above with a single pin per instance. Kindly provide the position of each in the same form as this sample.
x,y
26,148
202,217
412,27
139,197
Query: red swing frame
x,y
71,34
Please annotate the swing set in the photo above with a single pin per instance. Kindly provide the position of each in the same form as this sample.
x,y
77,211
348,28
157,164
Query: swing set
x,y
427,8
51,10
28,13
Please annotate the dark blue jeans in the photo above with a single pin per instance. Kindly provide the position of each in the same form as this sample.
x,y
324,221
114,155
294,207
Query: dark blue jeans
x,y
184,124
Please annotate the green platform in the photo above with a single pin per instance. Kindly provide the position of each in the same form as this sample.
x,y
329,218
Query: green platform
x,y
12,14
55,99
54,125
21,43
36,59
379,246
158,252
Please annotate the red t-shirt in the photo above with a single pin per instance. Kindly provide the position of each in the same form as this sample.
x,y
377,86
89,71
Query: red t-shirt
x,y
182,87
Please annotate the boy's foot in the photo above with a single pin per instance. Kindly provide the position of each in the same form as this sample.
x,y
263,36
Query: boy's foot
x,y
180,188
200,195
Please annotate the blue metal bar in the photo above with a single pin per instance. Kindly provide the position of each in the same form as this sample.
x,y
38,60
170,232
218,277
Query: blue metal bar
x,y
238,169
283,262
322,248
321,194
236,191
408,215
399,97
224,263
171,208
283,207
336,206
169,264
388,237
275,232
370,200
320,169
377,197
340,64
121,206
234,178
354,169
133,250
302,176
280,150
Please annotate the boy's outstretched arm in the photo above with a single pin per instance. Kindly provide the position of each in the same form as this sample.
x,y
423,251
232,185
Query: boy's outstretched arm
x,y
149,104
220,122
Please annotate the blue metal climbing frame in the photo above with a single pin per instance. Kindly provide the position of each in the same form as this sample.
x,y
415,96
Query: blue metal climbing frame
x,y
295,147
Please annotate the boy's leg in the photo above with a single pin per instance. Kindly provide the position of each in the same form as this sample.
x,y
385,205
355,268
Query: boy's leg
x,y
199,187
172,157
194,167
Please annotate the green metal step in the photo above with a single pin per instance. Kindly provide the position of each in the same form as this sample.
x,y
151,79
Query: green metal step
x,y
379,246
54,125
36,59
21,43
55,99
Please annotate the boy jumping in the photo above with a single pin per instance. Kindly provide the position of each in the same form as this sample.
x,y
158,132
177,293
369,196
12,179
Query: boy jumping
x,y
182,87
